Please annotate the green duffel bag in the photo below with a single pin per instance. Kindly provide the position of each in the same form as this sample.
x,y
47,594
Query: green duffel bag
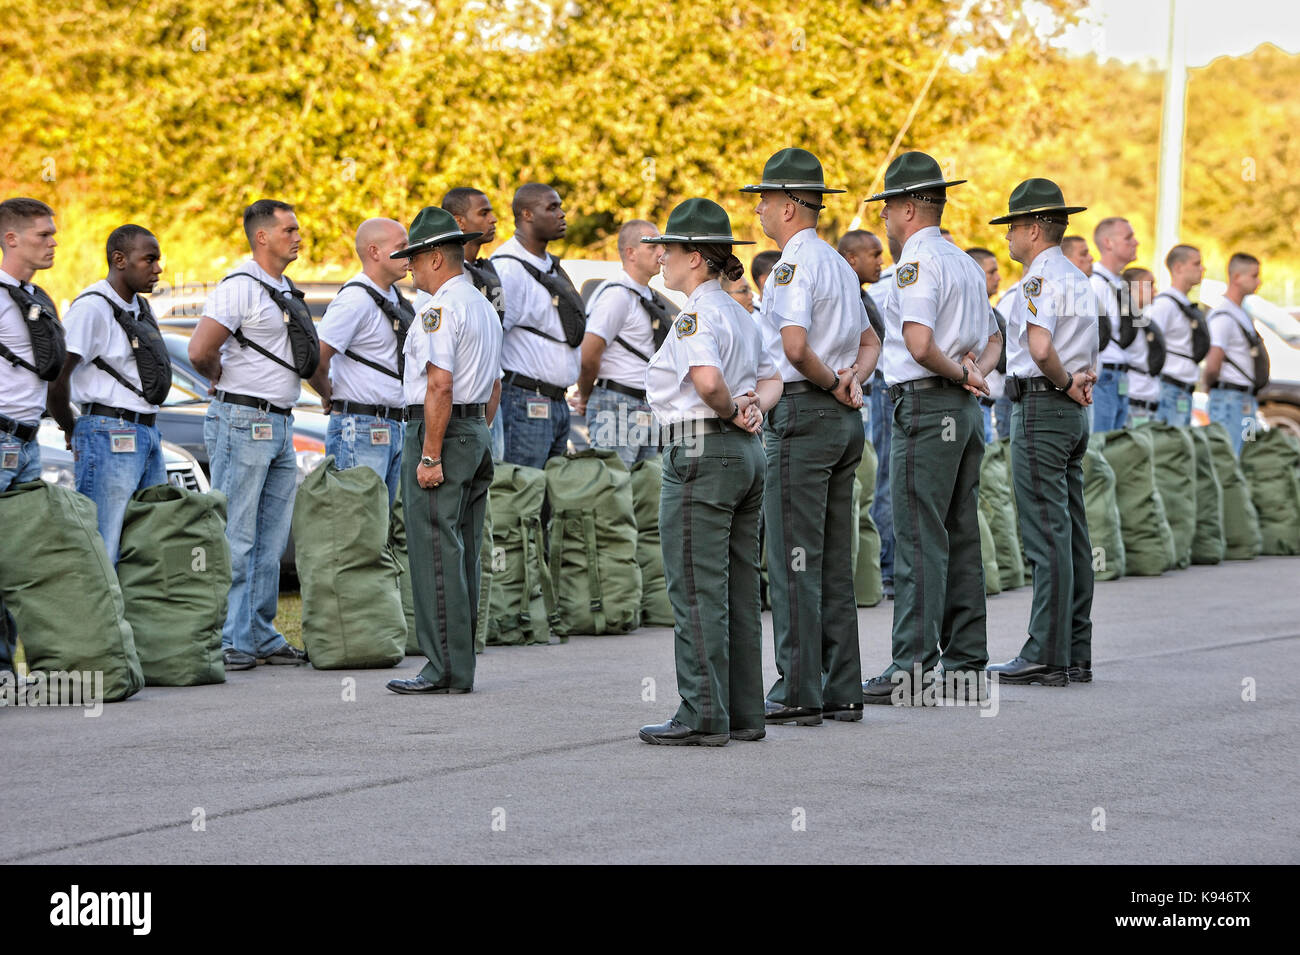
x,y
989,556
1148,541
1004,447
56,580
1241,537
1103,513
593,544
1269,463
351,595
647,479
397,547
174,571
867,587
521,597
1175,465
997,504
483,624
1207,542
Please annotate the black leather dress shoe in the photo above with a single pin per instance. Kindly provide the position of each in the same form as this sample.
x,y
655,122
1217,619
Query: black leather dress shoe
x,y
674,733
234,659
844,712
961,686
1022,672
420,685
1081,672
749,736
801,715
287,655
883,691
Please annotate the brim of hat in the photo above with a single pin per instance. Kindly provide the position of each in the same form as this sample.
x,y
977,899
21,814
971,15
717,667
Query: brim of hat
x,y
1040,210
918,187
689,239
433,242
792,186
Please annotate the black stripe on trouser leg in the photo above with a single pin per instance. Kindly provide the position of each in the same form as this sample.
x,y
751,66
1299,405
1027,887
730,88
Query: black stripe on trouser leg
x,y
1045,519
918,562
791,587
440,594
688,568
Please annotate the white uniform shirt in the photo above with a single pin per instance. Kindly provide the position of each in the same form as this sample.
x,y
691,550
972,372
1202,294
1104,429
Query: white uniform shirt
x,y
455,329
939,286
353,322
1106,287
1056,296
811,286
995,379
616,312
22,394
1142,386
1228,330
243,304
528,303
1164,312
713,329
93,333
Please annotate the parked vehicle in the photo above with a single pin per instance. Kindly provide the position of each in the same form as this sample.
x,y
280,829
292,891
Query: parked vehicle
x,y
57,465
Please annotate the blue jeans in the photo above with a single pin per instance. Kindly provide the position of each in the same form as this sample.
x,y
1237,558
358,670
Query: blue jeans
x,y
348,438
1110,400
259,478
1175,405
612,423
989,435
531,442
497,432
1237,412
25,467
882,509
110,478
1002,416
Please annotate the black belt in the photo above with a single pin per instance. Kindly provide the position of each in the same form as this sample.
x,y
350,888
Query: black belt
x,y
1247,389
1169,379
1152,406
802,388
986,402
697,426
248,401
373,411
24,432
135,417
638,393
554,392
1114,366
920,384
1037,383
416,412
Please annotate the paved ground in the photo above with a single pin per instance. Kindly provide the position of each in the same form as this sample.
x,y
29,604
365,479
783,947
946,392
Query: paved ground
x,y
284,770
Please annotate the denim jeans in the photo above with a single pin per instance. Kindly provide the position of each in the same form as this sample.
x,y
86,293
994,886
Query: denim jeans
x,y
882,509
109,478
1236,411
25,467
989,435
348,438
1110,400
259,478
1175,405
612,423
497,433
1002,417
531,442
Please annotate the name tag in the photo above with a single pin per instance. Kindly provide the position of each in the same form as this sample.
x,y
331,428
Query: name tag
x,y
1122,386
1183,405
122,442
379,434
539,408
9,456
643,419
262,431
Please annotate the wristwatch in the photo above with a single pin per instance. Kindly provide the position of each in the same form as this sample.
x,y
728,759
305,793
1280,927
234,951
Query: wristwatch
x,y
429,462
1069,382
965,375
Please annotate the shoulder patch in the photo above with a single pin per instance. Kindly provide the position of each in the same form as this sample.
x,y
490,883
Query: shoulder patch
x,y
907,274
431,319
1033,286
687,324
783,274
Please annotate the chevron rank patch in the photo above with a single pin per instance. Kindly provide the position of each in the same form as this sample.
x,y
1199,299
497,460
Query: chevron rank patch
x,y
687,324
1031,288
431,319
783,274
907,274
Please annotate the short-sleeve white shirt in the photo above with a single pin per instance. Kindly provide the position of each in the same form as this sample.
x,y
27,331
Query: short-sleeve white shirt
x,y
353,322
22,393
93,333
529,304
617,312
244,304
458,330
1054,295
1228,329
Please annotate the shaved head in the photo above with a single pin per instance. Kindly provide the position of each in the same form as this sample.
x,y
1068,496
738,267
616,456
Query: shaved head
x,y
856,240
629,237
377,232
529,196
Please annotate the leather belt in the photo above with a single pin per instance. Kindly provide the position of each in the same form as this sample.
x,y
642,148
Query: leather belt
x,y
1247,389
135,417
920,384
373,411
1030,385
638,393
554,392
248,401
1152,406
697,426
1170,380
416,412
986,402
1114,366
23,432
804,387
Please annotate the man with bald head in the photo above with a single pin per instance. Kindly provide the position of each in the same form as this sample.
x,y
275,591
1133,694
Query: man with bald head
x,y
360,374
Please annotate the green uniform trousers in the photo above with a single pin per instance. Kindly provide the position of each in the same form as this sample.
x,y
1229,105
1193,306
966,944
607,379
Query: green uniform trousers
x,y
936,446
814,446
444,531
709,511
1049,435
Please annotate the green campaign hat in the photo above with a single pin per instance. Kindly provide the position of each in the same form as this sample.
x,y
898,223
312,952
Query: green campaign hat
x,y
1037,197
697,220
430,228
913,172
792,169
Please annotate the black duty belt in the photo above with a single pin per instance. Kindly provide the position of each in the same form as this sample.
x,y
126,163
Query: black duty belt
x,y
248,401
1231,387
416,412
1151,406
986,402
638,393
554,392
920,384
802,388
1114,366
698,426
135,417
373,411
23,432
1030,385
1185,386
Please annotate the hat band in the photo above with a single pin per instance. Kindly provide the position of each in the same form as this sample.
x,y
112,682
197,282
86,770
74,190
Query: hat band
x,y
814,206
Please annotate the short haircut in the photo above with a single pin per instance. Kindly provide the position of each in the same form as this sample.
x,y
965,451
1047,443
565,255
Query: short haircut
x,y
19,213
261,214
763,263
1105,227
1241,261
452,251
457,201
980,254
1136,274
629,237
123,238
528,196
852,241
1070,241
1053,232
929,205
1180,254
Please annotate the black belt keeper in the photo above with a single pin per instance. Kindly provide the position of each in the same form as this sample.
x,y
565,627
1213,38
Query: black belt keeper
x,y
135,417
373,411
637,393
920,384
1170,380
248,401
23,432
698,426
1247,389
554,392
416,412
1114,366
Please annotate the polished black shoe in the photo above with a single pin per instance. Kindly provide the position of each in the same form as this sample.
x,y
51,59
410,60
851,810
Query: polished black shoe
x,y
844,712
887,586
961,686
1080,672
234,659
420,685
674,733
287,655
749,736
801,715
1022,672
883,691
